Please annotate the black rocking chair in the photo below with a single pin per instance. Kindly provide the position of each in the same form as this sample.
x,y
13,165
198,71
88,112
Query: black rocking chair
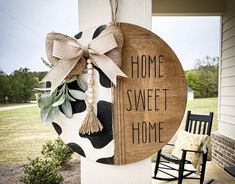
x,y
197,124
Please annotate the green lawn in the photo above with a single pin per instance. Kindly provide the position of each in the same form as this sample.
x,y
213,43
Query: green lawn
x,y
22,134
204,106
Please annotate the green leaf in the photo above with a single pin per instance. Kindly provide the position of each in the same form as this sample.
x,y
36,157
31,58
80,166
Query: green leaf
x,y
57,97
67,108
59,101
46,63
44,113
44,101
77,94
52,114
48,114
70,98
82,84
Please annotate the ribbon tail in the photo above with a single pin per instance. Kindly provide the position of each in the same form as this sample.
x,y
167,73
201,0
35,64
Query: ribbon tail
x,y
58,73
110,69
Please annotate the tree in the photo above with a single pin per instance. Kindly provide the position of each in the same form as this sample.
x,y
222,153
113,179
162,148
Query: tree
x,y
203,79
4,86
19,85
39,75
22,84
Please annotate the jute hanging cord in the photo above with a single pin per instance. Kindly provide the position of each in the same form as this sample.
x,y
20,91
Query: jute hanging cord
x,y
114,9
91,123
114,27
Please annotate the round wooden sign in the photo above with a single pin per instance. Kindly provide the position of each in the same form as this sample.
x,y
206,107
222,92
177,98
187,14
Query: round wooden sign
x,y
141,113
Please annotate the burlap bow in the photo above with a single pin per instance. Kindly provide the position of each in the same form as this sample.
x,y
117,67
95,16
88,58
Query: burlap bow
x,y
67,53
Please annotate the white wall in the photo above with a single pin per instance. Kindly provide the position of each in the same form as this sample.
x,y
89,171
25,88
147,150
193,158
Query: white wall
x,y
226,124
190,95
97,12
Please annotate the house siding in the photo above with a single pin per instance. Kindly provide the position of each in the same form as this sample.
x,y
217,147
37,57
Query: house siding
x,y
227,74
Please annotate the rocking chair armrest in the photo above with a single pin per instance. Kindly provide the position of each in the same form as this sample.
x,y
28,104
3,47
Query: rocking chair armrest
x,y
192,151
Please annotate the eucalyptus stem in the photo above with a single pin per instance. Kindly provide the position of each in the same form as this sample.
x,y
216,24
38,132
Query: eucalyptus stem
x,y
62,96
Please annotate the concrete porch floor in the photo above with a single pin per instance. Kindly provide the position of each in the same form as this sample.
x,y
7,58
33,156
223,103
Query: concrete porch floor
x,y
212,172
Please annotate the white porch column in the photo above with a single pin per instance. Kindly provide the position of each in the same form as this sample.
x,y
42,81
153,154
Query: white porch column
x,y
97,12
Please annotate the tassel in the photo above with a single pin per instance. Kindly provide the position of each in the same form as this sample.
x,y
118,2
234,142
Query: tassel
x,y
91,123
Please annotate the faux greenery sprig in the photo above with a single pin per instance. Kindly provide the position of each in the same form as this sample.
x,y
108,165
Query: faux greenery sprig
x,y
62,96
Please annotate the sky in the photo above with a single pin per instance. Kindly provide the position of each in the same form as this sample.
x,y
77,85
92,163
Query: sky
x,y
191,38
23,28
25,23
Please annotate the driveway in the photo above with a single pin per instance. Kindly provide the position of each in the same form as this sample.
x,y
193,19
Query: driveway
x,y
16,107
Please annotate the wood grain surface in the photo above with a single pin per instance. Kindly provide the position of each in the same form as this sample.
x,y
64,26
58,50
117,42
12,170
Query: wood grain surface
x,y
148,105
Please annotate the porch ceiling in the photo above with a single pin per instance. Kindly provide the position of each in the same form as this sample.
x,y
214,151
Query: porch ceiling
x,y
189,7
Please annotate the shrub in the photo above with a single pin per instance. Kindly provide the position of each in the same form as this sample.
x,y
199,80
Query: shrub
x,y
42,171
57,151
46,169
